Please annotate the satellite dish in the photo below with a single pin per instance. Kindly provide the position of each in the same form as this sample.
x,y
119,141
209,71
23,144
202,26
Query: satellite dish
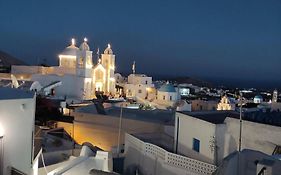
x,y
15,83
35,86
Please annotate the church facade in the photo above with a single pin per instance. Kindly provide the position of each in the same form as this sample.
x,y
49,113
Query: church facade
x,y
95,78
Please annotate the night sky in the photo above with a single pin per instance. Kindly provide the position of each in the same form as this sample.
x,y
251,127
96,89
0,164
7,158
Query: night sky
x,y
210,39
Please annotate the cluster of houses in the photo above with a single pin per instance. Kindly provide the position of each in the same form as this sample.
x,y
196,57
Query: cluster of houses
x,y
183,128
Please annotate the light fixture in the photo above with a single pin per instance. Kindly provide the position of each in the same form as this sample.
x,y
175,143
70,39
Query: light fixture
x,y
73,41
2,132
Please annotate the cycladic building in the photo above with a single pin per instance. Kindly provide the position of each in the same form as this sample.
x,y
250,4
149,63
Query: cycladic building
x,y
17,115
80,78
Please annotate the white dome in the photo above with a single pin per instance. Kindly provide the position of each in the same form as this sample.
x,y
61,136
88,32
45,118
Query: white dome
x,y
70,50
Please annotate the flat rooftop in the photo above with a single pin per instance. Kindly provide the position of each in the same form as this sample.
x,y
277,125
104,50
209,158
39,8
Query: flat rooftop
x,y
155,116
12,93
218,117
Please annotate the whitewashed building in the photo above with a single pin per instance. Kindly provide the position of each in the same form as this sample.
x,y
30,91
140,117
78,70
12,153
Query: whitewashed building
x,y
211,136
17,115
167,95
139,86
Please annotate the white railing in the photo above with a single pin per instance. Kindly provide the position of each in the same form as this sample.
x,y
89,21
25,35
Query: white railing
x,y
169,158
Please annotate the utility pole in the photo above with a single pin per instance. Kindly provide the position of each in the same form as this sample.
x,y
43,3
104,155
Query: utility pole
x,y
240,121
240,132
119,131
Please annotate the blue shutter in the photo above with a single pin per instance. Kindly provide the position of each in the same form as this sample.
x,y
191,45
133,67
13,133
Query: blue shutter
x,y
196,145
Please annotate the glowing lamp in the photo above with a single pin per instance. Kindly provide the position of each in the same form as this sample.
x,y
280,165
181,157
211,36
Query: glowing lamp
x,y
73,41
2,131
108,45
85,39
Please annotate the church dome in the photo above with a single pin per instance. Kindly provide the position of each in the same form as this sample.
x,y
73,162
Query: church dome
x,y
167,88
70,50
108,50
84,45
258,99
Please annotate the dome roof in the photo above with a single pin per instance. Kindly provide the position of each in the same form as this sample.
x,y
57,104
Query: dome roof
x,y
108,50
70,50
258,97
167,88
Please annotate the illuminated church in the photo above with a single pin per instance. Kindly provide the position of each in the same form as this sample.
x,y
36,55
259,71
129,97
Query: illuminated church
x,y
96,78
76,77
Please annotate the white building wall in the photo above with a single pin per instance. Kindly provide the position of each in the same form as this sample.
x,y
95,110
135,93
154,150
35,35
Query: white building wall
x,y
17,119
140,79
255,136
136,90
72,86
189,128
219,140
15,69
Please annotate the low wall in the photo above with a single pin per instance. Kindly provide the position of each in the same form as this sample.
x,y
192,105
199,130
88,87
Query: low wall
x,y
151,159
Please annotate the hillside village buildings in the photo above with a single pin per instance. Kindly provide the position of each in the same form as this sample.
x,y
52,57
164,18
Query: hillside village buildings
x,y
138,121
78,78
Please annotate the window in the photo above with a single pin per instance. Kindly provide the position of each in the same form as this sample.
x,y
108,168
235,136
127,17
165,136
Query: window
x,y
146,82
170,98
196,145
163,97
139,91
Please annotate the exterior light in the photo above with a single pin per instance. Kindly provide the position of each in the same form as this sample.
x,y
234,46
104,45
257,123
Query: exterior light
x,y
73,41
2,131
108,45
85,39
